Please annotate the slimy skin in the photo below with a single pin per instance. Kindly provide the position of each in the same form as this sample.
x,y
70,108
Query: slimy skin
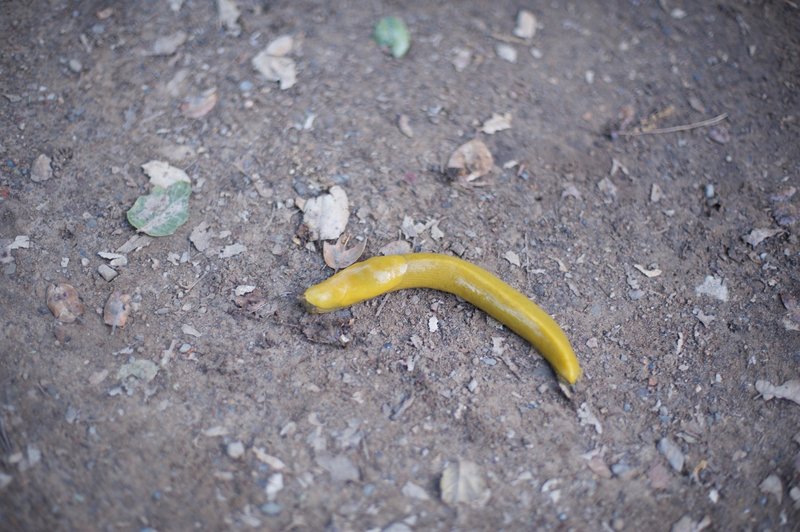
x,y
379,275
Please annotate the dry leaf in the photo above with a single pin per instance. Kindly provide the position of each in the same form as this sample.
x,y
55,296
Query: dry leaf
x,y
274,66
280,46
462,483
512,257
162,174
470,161
229,16
788,390
338,255
714,287
201,236
757,236
326,216
200,106
655,272
116,310
64,302
497,123
526,25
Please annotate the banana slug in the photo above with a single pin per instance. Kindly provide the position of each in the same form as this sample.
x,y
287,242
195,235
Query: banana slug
x,y
379,275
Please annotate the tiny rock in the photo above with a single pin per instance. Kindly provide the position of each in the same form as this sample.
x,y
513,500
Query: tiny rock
x,y
64,302
235,450
41,169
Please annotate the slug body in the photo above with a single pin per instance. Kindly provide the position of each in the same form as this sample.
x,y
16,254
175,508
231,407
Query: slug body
x,y
379,275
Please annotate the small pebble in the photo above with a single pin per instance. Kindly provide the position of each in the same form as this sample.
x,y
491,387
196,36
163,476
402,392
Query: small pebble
x,y
235,450
107,272
75,66
271,508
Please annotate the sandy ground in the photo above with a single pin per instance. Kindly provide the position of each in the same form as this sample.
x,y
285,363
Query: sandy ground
x,y
665,247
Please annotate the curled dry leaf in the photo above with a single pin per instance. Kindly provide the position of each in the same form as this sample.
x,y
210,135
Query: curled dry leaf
x,y
404,126
64,302
338,255
472,160
116,310
199,106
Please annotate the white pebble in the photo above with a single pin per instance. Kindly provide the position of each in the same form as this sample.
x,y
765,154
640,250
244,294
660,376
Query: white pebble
x,y
235,450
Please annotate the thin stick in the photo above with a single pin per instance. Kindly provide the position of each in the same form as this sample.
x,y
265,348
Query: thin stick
x,y
675,129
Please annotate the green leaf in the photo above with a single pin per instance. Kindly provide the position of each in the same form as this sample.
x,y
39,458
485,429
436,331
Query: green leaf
x,y
393,33
163,211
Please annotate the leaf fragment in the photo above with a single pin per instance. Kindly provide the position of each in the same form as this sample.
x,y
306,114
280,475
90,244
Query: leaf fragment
x,y
470,161
392,33
463,483
162,174
498,122
163,211
326,216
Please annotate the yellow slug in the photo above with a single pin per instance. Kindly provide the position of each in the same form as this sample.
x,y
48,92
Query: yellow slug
x,y
378,275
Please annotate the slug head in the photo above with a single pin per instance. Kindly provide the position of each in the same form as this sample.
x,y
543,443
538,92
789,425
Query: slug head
x,y
356,283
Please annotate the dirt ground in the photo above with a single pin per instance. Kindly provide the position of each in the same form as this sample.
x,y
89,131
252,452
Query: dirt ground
x,y
669,256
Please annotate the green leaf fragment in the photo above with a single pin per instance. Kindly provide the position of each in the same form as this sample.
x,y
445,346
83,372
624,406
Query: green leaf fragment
x,y
163,211
393,33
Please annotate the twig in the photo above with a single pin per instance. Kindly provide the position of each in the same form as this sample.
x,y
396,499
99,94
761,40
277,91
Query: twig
x,y
675,129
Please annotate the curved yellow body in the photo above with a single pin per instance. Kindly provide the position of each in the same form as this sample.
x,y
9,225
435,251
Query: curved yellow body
x,y
378,275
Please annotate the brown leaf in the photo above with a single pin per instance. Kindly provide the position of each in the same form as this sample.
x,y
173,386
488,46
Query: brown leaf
x,y
64,302
116,310
339,256
470,161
